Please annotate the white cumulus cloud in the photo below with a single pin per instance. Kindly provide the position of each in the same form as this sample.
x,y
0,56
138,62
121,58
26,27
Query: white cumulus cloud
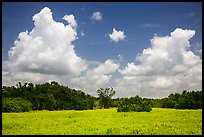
x,y
97,77
47,48
98,16
167,66
117,36
46,53
71,20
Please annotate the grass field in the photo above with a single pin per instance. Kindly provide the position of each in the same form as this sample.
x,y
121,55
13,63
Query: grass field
x,y
104,121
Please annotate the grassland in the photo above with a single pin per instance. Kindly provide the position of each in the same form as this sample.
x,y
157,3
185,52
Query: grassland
x,y
103,121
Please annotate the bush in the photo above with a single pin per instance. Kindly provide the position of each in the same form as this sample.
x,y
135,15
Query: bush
x,y
16,105
133,104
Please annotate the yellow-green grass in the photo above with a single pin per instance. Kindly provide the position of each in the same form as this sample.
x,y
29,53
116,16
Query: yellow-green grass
x,y
103,121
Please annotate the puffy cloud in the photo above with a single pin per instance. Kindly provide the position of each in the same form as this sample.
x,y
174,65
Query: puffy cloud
x,y
117,35
71,20
197,49
96,77
167,66
107,67
47,49
97,16
46,53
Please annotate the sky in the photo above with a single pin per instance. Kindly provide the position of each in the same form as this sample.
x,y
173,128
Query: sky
x,y
150,49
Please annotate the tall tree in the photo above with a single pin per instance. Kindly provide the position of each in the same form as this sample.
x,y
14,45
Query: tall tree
x,y
105,96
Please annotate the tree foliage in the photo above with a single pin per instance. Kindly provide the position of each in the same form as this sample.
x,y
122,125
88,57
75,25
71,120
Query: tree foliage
x,y
185,100
53,96
50,96
133,104
105,96
16,105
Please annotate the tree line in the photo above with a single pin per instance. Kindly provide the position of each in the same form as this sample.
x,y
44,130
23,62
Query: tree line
x,y
50,96
183,100
53,96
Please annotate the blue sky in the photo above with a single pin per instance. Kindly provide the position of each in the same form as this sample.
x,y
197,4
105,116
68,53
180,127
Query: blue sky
x,y
140,22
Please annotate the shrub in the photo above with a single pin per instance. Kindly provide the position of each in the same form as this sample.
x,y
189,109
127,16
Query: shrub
x,y
16,105
133,104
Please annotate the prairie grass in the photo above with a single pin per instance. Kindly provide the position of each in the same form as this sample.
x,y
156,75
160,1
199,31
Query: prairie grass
x,y
103,121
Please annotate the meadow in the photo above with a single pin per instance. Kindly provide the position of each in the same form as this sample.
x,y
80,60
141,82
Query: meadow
x,y
159,121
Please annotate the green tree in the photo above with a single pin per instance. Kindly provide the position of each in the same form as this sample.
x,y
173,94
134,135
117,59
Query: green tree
x,y
105,96
136,104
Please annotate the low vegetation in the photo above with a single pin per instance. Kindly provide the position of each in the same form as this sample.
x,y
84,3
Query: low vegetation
x,y
16,105
159,121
